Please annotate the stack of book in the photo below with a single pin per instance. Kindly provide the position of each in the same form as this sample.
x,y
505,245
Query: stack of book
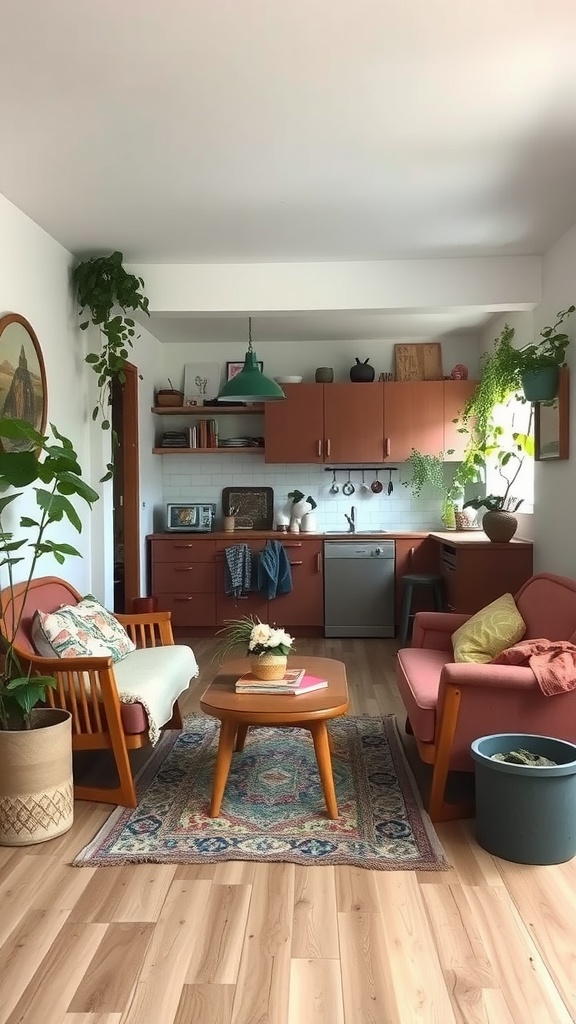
x,y
295,681
174,439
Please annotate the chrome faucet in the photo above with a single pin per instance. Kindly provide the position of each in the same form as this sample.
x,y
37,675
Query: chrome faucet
x,y
351,520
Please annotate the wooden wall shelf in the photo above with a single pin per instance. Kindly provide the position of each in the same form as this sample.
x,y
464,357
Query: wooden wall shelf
x,y
207,411
232,450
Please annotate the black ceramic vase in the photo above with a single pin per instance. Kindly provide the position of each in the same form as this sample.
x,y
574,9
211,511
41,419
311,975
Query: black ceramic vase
x,y
361,372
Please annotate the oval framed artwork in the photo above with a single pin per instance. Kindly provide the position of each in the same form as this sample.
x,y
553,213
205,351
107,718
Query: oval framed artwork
x,y
22,377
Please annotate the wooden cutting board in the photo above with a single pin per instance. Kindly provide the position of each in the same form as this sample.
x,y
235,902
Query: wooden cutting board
x,y
418,361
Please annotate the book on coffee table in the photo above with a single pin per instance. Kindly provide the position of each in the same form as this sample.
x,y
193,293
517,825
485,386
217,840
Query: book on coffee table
x,y
294,682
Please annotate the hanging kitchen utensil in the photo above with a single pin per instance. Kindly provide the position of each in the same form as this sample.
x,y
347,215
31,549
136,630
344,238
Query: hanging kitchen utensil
x,y
376,485
348,487
390,484
334,488
365,486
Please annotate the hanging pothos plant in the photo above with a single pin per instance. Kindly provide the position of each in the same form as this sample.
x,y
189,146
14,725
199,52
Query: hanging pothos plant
x,y
102,285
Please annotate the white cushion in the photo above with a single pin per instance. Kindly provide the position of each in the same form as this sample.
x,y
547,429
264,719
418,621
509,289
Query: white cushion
x,y
155,677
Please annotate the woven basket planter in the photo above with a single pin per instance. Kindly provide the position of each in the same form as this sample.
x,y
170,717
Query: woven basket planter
x,y
36,796
268,666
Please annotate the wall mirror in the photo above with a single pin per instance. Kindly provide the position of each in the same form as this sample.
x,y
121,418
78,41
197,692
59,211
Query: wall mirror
x,y
551,424
22,377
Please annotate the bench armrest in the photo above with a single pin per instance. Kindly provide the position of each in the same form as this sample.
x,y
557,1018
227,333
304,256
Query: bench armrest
x,y
48,666
433,630
493,677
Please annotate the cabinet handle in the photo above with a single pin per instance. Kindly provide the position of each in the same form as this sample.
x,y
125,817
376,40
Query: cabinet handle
x,y
292,544
297,563
328,447
179,546
387,446
319,452
183,568
182,598
319,562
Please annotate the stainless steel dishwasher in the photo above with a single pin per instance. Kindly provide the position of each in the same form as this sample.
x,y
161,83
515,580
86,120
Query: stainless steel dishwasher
x,y
359,588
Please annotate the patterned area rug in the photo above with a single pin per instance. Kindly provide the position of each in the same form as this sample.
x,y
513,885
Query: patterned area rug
x,y
273,807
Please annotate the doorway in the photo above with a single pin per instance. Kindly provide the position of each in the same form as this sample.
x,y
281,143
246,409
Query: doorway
x,y
126,491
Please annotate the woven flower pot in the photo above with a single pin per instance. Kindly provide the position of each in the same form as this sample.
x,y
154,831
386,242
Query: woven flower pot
x,y
268,666
36,796
499,526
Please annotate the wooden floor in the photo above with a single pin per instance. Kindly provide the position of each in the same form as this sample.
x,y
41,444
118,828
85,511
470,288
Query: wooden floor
x,y
488,942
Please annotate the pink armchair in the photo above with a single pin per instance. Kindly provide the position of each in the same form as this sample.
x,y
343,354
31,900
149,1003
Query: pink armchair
x,y
450,704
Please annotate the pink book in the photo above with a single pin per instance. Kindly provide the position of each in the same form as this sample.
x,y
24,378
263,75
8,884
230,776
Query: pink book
x,y
306,685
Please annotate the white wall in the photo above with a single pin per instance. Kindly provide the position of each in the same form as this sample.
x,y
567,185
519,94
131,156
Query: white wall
x,y
555,549
34,281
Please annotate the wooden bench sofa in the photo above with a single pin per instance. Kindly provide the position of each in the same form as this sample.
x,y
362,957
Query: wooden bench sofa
x,y
90,687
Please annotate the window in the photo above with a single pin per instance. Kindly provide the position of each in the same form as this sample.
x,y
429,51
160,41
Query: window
x,y
515,417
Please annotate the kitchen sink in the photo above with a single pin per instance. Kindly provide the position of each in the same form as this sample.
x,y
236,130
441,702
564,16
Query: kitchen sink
x,y
346,533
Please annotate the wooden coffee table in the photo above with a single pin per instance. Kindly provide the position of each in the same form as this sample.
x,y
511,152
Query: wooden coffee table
x,y
238,711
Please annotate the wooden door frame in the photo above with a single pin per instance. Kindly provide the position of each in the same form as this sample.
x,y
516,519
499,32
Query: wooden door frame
x,y
131,485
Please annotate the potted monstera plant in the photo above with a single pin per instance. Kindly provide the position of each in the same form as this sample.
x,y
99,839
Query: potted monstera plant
x,y
36,801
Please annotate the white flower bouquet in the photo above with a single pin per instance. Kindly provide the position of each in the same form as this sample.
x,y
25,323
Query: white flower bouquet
x,y
256,637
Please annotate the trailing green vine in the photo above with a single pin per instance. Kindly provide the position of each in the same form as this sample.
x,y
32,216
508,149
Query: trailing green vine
x,y
102,285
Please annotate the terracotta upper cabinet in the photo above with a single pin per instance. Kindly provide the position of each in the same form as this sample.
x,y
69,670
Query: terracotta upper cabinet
x,y
294,429
456,394
353,422
326,423
413,418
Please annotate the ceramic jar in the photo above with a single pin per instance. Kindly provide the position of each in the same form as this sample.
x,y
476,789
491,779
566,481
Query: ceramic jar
x,y
324,375
361,372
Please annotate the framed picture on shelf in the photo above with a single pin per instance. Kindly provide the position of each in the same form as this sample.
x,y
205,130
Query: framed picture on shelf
x,y
201,381
233,369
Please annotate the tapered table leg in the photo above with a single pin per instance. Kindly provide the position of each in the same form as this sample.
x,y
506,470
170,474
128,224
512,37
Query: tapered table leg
x,y
222,767
322,750
240,737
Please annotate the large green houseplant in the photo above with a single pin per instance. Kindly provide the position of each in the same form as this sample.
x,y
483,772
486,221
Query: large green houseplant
x,y
49,469
103,286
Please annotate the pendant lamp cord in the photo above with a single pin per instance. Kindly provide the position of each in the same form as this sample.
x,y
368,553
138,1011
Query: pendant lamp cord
x,y
250,349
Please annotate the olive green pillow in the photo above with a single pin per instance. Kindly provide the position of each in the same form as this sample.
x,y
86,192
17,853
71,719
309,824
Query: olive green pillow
x,y
489,632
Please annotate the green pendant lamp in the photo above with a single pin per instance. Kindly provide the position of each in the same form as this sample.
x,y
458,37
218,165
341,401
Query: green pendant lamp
x,y
250,385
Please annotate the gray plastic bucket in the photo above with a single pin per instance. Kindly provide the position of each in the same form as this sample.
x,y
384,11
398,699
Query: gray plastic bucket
x,y
526,814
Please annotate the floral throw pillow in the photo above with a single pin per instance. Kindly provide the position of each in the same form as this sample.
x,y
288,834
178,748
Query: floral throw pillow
x,y
81,630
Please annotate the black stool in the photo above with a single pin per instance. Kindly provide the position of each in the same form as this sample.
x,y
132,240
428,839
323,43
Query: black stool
x,y
419,579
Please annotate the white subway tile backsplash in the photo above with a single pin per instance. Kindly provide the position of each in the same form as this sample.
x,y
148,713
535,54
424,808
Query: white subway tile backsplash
x,y
202,478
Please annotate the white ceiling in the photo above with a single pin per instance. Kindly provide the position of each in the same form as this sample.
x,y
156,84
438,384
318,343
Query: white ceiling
x,y
212,131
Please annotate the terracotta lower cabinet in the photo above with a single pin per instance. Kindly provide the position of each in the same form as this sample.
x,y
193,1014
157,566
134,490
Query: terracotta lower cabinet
x,y
415,555
474,575
183,578
188,577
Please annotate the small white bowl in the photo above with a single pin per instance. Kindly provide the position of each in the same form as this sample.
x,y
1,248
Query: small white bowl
x,y
288,380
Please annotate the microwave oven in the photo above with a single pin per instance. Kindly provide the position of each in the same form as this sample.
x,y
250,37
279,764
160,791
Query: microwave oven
x,y
190,516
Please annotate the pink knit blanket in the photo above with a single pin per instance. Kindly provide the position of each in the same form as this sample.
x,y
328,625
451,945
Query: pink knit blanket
x,y
553,662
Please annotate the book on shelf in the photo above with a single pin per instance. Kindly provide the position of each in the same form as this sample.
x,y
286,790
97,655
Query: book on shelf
x,y
295,681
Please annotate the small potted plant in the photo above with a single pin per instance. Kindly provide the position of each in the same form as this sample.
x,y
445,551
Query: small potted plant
x,y
539,364
266,646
